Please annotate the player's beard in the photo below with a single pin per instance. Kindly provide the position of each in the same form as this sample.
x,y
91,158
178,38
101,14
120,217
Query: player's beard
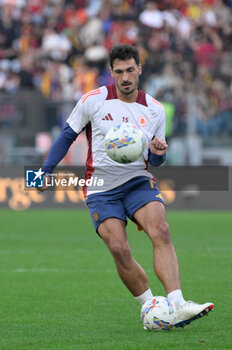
x,y
125,92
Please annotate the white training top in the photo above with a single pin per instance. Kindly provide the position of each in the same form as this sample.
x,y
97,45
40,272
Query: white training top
x,y
99,110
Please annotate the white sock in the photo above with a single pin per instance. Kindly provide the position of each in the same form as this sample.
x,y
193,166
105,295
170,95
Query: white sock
x,y
144,297
176,296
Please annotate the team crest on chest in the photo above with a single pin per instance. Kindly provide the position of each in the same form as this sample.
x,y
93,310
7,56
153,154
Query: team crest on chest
x,y
142,120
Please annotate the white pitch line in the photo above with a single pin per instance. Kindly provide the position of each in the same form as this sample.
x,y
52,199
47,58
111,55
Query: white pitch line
x,y
44,269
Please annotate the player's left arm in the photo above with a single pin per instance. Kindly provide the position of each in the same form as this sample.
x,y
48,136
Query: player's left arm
x,y
158,146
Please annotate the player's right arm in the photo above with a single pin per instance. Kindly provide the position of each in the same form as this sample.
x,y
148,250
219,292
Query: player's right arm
x,y
75,124
58,150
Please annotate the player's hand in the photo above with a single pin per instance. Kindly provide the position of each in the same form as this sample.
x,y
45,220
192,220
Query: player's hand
x,y
158,146
46,180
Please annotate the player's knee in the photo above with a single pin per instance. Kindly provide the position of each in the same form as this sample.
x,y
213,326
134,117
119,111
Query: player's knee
x,y
161,233
164,231
121,253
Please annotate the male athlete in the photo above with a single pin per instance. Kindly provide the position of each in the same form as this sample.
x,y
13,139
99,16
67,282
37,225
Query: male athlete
x,y
130,190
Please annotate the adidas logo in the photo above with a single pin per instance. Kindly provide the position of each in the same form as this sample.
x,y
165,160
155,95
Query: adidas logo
x,y
108,117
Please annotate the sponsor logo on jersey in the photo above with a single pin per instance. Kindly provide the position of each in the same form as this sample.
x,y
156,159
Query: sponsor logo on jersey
x,y
108,117
142,120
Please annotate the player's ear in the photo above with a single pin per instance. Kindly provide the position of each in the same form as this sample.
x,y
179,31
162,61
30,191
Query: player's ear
x,y
140,69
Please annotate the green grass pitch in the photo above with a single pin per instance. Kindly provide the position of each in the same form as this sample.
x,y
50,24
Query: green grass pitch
x,y
59,289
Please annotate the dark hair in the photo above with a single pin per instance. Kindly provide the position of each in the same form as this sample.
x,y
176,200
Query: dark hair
x,y
123,52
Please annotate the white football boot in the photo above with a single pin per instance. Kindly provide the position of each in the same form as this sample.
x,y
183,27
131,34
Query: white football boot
x,y
189,311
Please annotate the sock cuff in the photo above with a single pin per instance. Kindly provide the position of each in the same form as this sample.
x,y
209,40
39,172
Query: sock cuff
x,y
144,297
176,296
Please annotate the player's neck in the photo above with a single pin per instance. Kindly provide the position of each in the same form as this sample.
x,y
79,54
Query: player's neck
x,y
130,98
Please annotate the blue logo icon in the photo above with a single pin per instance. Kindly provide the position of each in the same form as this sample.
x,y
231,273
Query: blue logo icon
x,y
34,178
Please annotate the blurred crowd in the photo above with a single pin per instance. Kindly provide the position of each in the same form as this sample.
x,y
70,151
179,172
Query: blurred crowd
x,y
60,48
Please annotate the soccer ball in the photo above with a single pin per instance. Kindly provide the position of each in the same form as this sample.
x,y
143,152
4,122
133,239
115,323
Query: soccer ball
x,y
158,313
124,143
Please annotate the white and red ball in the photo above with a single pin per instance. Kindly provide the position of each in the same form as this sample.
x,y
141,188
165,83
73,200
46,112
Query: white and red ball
x,y
158,313
124,143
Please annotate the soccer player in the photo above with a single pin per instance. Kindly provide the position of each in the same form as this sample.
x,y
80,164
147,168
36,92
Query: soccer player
x,y
130,191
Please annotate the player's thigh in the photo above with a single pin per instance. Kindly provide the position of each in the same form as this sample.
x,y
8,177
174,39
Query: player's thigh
x,y
152,218
112,230
144,203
